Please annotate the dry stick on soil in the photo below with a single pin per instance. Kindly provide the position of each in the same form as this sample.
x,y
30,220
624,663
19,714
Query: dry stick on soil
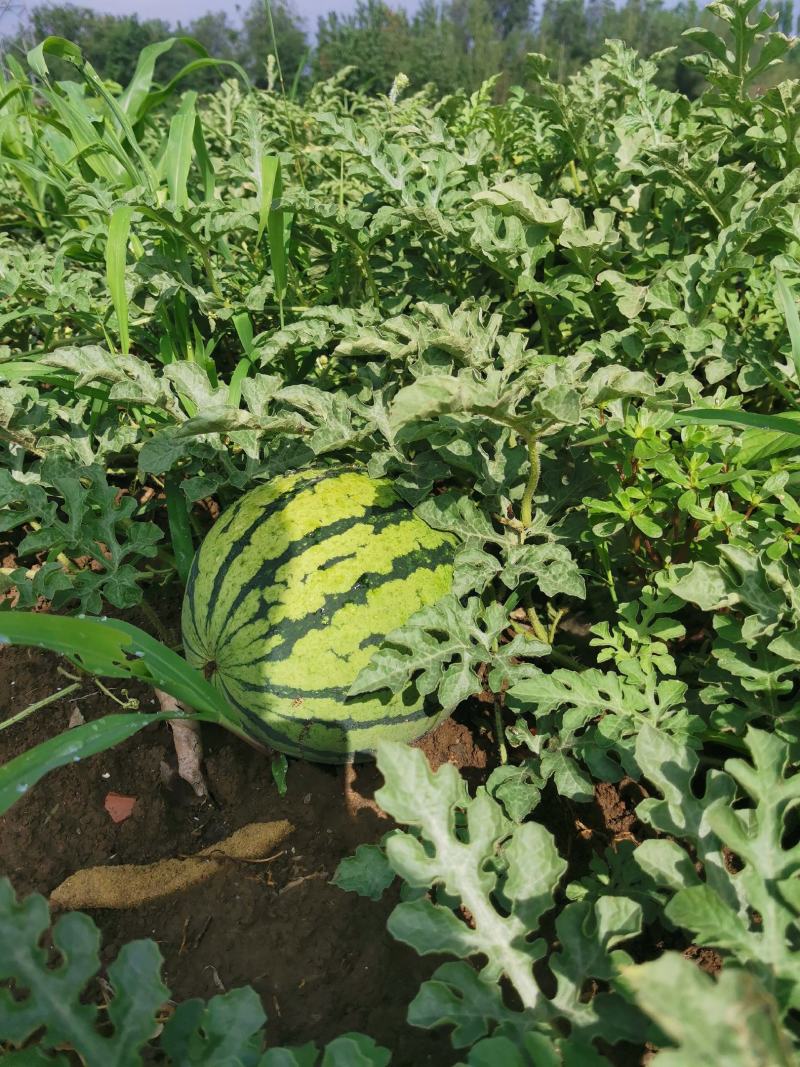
x,y
305,878
129,884
31,708
188,744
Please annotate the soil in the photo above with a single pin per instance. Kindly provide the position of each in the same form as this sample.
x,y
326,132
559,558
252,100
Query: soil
x,y
321,959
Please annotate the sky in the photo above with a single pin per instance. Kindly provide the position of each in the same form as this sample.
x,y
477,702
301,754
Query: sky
x,y
185,10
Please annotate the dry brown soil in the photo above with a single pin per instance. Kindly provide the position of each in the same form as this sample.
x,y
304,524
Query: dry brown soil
x,y
320,958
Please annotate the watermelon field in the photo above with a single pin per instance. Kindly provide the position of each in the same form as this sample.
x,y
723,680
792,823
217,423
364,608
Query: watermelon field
x,y
400,588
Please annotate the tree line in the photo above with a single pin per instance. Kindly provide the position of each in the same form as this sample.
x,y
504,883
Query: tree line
x,y
449,44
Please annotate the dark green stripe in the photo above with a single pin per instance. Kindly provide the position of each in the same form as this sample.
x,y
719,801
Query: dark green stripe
x,y
191,588
267,511
423,559
334,560
341,726
219,528
192,651
261,731
375,516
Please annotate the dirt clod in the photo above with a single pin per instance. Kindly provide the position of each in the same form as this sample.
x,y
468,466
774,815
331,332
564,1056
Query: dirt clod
x,y
119,807
452,742
617,816
130,885
707,959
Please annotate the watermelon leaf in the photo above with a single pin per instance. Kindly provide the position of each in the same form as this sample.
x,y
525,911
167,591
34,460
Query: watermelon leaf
x,y
355,1050
53,995
52,1000
505,877
367,872
225,1030
441,648
682,999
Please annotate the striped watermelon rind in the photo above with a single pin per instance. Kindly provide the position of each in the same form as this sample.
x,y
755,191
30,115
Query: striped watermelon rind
x,y
290,594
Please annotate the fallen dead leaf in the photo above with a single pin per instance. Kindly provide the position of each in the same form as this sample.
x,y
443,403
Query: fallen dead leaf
x,y
75,719
188,744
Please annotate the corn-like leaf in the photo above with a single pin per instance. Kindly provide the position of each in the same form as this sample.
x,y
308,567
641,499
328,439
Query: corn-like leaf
x,y
136,92
112,648
79,117
158,96
204,162
53,46
269,189
178,158
18,775
180,530
726,417
116,253
788,305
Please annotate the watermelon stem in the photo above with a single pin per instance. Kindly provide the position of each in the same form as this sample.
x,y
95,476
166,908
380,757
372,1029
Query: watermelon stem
x,y
536,625
499,729
526,508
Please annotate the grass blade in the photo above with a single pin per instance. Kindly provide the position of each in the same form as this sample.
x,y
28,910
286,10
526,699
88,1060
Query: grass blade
x,y
111,648
204,163
787,304
268,170
774,423
298,74
235,386
180,141
19,774
269,187
244,331
180,529
116,254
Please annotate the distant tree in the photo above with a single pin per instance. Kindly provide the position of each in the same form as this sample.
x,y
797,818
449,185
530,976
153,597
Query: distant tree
x,y
220,38
256,41
564,35
786,22
572,32
375,39
451,44
481,49
111,43
435,50
511,16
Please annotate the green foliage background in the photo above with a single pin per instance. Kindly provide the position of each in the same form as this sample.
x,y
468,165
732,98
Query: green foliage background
x,y
452,46
566,326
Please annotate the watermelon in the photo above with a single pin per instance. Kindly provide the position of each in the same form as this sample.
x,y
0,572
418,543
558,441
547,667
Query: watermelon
x,y
290,594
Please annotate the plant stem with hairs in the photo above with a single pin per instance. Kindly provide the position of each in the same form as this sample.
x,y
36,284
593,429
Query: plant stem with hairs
x,y
526,508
